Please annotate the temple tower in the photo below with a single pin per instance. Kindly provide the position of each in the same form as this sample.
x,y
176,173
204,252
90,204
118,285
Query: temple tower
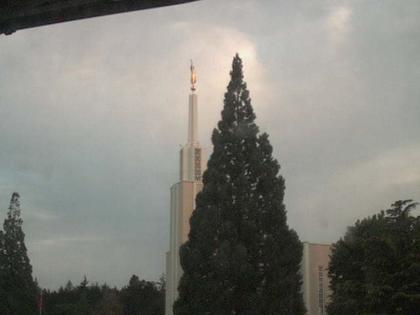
x,y
193,161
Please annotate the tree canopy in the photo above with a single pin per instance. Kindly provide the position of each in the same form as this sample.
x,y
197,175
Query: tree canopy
x,y
241,257
138,297
18,289
375,268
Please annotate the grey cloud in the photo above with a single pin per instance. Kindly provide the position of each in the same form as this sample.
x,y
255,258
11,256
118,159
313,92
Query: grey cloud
x,y
93,112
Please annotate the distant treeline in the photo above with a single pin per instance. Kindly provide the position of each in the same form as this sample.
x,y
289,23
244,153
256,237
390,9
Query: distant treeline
x,y
138,297
20,294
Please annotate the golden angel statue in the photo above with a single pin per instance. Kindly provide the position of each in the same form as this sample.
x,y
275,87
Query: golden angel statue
x,y
193,77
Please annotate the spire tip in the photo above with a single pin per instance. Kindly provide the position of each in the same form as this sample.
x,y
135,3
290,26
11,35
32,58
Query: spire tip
x,y
193,77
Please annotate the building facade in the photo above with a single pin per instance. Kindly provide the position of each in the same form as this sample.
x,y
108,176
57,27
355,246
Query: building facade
x,y
316,283
193,162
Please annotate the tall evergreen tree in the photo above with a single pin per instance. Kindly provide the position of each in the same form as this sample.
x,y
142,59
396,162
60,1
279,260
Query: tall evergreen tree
x,y
4,309
241,257
19,288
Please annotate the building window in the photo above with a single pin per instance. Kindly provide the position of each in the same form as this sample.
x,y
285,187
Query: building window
x,y
321,299
197,164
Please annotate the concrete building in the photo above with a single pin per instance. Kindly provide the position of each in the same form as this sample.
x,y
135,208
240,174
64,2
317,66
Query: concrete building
x,y
193,161
316,290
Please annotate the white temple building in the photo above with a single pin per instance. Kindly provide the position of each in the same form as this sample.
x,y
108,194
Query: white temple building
x,y
316,282
193,162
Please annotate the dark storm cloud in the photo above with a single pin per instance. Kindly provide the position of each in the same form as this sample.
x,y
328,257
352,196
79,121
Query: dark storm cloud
x,y
93,112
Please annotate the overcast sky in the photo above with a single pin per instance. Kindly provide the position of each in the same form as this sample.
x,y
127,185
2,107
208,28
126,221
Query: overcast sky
x,y
93,114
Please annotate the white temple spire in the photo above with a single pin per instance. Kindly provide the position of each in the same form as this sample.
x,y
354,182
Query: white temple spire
x,y
192,115
193,162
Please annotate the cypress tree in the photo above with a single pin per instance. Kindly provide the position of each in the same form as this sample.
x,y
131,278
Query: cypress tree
x,y
19,288
241,257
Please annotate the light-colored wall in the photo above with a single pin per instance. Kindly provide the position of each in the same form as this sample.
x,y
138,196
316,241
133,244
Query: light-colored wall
x,y
192,119
182,205
193,162
316,291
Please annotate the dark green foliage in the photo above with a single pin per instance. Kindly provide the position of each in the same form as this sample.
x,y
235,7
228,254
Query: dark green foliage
x,y
241,257
375,268
142,297
109,304
4,309
17,288
139,297
71,300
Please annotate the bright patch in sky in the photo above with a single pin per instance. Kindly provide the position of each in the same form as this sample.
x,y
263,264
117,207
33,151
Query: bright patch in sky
x,y
339,23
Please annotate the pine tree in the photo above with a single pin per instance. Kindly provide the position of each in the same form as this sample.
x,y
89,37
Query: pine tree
x,y
141,296
83,303
18,284
241,257
4,309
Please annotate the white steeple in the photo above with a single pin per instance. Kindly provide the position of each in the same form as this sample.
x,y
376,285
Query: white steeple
x,y
192,160
192,110
192,164
192,119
